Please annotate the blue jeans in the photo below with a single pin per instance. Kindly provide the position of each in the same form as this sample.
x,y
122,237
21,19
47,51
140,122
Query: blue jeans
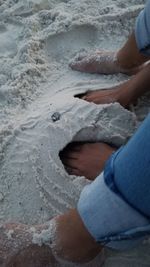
x,y
115,208
131,169
142,30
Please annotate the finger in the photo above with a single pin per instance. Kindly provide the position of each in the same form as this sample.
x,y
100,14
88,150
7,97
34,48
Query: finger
x,y
73,154
80,57
71,163
70,146
77,65
89,94
75,146
80,95
89,98
72,171
70,151
86,95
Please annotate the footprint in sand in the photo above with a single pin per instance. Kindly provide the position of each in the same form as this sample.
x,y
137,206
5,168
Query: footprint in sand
x,y
64,45
9,35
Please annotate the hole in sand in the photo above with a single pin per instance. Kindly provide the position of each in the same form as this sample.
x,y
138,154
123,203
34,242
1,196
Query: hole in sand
x,y
67,43
72,146
80,95
86,160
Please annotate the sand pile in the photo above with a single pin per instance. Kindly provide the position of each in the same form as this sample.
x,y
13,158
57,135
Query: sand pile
x,y
39,114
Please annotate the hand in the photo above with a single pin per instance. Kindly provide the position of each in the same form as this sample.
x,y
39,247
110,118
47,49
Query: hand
x,y
121,94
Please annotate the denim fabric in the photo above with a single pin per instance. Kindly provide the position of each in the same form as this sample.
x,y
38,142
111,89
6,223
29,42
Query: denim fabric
x,y
116,206
131,170
142,30
109,219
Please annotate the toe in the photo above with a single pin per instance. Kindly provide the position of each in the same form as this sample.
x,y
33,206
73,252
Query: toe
x,y
76,66
72,171
71,163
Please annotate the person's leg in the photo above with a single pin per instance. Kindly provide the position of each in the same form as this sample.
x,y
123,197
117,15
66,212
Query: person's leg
x,y
65,238
115,207
17,248
109,218
126,93
127,60
130,59
74,242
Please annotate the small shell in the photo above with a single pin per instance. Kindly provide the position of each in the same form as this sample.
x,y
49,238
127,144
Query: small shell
x,y
56,116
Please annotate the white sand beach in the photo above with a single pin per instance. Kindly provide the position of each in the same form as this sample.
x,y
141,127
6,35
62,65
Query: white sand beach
x,y
39,114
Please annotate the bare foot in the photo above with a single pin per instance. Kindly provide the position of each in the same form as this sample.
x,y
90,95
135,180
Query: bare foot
x,y
101,62
125,93
86,159
33,256
120,93
73,241
64,241
17,248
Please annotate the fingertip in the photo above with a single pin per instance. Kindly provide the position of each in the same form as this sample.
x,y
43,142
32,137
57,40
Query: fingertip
x,y
70,65
73,66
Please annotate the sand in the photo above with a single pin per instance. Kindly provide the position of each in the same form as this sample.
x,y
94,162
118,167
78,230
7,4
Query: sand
x,y
39,113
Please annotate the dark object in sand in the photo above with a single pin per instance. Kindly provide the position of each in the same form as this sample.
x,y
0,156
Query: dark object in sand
x,y
56,116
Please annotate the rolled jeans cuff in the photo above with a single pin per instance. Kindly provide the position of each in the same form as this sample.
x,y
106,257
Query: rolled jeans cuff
x,y
109,219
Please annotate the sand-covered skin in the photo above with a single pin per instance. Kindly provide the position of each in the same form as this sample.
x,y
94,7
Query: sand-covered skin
x,y
39,114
